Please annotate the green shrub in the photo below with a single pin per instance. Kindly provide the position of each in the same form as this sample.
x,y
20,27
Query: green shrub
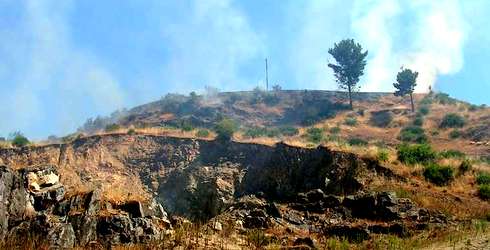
x,y
452,120
186,126
455,134
483,178
255,132
418,121
335,130
131,131
439,175
413,134
451,153
314,135
288,131
382,156
381,119
424,110
484,191
350,121
417,153
112,127
473,107
225,129
202,133
357,142
19,140
465,166
444,98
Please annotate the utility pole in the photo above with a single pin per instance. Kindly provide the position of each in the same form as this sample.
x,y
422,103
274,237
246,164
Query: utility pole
x,y
266,76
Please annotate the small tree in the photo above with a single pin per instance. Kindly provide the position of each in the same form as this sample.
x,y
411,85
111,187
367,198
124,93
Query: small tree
x,y
405,84
18,139
225,129
350,64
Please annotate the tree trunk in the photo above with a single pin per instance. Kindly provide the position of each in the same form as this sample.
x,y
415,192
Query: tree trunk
x,y
411,100
350,98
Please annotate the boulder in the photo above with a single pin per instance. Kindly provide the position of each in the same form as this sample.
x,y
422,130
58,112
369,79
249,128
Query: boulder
x,y
315,195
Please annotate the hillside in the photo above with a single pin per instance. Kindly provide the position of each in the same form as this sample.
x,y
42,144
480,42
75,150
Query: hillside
x,y
377,118
301,171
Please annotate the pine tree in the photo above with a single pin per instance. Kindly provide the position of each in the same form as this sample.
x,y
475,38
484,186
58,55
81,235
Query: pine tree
x,y
406,80
350,64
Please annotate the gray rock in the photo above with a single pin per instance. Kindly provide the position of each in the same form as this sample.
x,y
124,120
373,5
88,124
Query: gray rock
x,y
61,236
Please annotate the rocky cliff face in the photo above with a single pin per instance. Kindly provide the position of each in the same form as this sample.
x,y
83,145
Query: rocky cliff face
x,y
134,176
180,173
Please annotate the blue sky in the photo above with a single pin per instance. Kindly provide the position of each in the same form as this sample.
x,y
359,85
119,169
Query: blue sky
x,y
62,62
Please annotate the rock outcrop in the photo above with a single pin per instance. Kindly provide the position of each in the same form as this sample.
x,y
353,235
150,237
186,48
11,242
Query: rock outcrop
x,y
34,206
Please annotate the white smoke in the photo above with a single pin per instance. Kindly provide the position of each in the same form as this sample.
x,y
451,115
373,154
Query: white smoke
x,y
432,36
50,80
209,46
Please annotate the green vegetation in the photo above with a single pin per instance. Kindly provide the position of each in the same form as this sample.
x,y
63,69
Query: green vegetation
x,y
465,166
455,134
186,126
473,107
451,153
417,153
418,121
225,129
255,132
381,119
382,156
444,98
351,61
484,191
452,120
335,130
202,133
350,121
424,110
357,142
288,131
483,178
18,139
112,127
314,135
483,181
414,134
406,80
131,131
439,175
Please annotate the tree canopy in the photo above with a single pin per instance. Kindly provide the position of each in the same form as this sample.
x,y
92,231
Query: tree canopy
x,y
351,61
406,80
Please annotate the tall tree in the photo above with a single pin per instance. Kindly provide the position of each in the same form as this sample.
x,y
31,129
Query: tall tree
x,y
406,80
350,64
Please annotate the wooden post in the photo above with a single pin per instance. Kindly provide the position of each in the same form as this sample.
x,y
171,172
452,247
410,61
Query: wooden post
x,y
266,76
